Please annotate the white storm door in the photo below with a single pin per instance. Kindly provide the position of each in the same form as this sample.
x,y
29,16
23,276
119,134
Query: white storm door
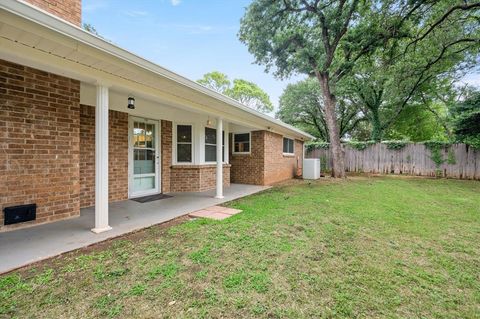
x,y
144,157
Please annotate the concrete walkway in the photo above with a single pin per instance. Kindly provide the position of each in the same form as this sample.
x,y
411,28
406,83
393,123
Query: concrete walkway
x,y
24,246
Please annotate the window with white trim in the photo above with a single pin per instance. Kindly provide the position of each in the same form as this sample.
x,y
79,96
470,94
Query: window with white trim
x,y
211,145
184,143
288,146
241,143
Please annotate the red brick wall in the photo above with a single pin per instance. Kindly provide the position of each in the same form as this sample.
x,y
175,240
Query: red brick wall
x,y
208,177
279,167
266,163
69,10
186,178
249,168
166,143
39,142
196,178
117,155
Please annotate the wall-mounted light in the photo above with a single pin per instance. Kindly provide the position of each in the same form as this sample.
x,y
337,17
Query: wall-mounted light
x,y
131,103
209,122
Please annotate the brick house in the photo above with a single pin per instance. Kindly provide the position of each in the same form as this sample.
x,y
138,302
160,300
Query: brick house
x,y
84,123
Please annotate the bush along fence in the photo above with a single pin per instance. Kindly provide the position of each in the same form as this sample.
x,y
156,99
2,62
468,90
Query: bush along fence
x,y
432,158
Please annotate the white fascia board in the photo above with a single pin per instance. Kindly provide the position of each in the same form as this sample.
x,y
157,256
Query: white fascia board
x,y
50,21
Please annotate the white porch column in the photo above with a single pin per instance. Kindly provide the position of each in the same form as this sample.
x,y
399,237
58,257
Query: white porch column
x,y
227,142
101,160
219,175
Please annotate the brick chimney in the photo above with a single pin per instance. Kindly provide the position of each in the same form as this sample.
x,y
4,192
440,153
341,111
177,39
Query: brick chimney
x,y
69,10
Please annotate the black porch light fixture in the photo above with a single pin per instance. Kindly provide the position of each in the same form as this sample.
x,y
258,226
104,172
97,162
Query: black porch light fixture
x,y
131,103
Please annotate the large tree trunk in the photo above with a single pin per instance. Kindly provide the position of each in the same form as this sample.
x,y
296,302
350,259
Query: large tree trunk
x,y
377,129
338,169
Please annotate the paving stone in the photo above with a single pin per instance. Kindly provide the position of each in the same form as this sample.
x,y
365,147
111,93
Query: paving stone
x,y
231,211
201,213
215,212
218,216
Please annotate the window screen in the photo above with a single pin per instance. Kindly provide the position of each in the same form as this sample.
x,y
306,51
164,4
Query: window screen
x,y
241,143
184,143
288,145
211,145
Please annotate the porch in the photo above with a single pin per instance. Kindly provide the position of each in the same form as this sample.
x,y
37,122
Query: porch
x,y
85,123
24,246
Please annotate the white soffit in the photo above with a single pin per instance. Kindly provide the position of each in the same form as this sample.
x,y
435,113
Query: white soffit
x,y
29,26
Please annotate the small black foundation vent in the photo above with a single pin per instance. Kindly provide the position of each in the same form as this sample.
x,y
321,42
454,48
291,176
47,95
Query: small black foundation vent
x,y
19,214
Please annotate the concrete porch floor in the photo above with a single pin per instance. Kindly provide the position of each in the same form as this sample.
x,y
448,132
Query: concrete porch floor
x,y
24,246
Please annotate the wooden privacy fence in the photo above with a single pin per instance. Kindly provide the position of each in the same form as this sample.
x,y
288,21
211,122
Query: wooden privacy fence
x,y
457,160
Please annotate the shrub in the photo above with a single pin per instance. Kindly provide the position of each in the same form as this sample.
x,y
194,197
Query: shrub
x,y
313,145
435,148
433,144
395,144
451,160
473,141
360,145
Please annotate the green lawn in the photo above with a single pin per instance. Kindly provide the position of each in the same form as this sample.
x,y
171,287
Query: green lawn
x,y
366,247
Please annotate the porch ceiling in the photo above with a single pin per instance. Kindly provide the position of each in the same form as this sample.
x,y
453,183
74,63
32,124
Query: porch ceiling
x,y
155,107
36,38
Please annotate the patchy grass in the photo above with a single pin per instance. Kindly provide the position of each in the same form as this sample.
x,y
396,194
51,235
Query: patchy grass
x,y
365,247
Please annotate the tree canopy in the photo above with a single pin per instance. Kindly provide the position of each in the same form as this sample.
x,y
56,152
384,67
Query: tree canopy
x,y
328,39
466,120
301,104
418,124
401,75
246,92
216,81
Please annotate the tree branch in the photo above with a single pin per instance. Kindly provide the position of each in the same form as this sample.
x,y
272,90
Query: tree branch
x,y
463,7
439,118
344,29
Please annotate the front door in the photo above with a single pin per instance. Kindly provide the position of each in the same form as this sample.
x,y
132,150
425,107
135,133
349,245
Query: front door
x,y
144,157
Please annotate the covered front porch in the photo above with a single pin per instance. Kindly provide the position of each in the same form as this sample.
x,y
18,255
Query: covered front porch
x,y
150,148
24,246
100,124
86,123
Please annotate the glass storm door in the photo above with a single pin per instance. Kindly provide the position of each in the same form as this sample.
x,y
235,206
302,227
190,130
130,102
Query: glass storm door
x,y
144,150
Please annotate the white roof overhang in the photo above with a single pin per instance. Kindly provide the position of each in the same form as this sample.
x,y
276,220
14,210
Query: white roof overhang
x,y
37,38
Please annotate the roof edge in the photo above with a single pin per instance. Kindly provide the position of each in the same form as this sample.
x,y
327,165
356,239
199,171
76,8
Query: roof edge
x,y
48,20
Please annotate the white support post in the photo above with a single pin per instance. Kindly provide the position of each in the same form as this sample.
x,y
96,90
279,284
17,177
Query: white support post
x,y
219,175
227,142
101,161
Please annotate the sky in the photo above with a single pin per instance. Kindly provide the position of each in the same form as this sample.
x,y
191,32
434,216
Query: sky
x,y
189,37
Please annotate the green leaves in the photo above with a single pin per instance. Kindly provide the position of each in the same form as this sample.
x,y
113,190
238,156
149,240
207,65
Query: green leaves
x,y
360,145
301,104
216,81
395,145
436,148
245,92
466,120
386,57
285,36
250,94
436,145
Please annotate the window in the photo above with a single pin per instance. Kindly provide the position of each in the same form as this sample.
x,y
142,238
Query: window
x,y
184,143
211,145
241,143
288,146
